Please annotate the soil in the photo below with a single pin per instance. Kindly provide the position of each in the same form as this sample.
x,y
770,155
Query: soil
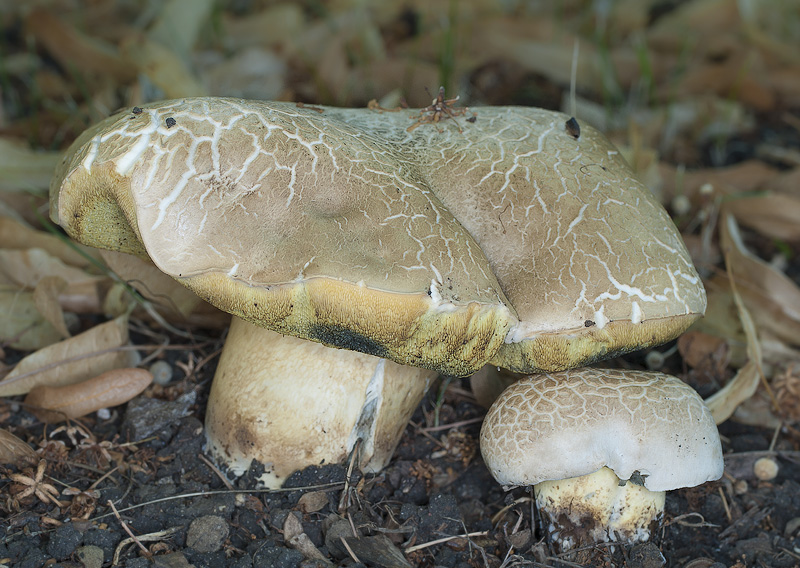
x,y
147,459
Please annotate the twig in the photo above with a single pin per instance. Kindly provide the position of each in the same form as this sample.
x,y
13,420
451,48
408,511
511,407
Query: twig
x,y
144,550
442,540
725,504
216,470
453,425
349,550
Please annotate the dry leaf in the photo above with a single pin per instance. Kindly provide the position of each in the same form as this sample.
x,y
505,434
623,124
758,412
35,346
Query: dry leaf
x,y
773,215
75,51
312,502
771,297
22,326
45,296
165,69
22,169
724,402
15,451
14,234
704,351
112,388
73,360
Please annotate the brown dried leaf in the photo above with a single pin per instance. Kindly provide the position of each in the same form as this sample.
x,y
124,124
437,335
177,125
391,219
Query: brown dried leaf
x,y
773,215
112,388
724,402
22,326
25,170
163,67
73,360
76,51
703,351
771,297
15,451
312,502
16,235
45,296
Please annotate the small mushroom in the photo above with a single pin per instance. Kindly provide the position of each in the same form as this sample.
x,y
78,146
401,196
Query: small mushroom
x,y
600,448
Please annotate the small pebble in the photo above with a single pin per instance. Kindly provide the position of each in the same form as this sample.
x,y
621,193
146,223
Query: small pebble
x,y
162,372
766,469
90,556
207,534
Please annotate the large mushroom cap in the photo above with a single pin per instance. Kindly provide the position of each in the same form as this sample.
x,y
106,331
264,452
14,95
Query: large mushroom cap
x,y
591,263
569,424
507,239
301,224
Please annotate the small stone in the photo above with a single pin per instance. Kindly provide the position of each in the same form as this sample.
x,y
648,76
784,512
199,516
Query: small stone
x,y
766,469
90,556
207,534
646,555
162,372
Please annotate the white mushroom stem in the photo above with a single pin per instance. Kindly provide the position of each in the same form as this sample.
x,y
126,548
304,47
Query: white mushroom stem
x,y
290,403
597,507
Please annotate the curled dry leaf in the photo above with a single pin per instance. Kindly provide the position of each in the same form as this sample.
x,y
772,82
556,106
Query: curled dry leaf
x,y
724,402
771,297
112,388
772,214
15,451
73,360
26,268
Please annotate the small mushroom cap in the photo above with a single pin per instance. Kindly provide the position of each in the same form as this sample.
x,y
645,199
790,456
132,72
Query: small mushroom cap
x,y
569,424
301,224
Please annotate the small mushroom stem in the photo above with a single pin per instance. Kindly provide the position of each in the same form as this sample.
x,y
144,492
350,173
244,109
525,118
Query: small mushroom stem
x,y
597,507
290,403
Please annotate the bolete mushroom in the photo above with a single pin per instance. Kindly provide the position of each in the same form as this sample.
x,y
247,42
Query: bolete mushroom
x,y
600,449
509,241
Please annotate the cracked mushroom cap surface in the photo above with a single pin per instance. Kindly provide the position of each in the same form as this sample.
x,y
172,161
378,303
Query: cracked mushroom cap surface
x,y
507,239
565,425
306,226
591,262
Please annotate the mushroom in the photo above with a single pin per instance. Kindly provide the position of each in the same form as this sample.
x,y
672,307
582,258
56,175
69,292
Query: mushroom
x,y
510,241
600,448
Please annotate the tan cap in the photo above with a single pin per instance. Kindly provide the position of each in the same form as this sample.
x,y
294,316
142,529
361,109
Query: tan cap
x,y
590,261
569,424
298,223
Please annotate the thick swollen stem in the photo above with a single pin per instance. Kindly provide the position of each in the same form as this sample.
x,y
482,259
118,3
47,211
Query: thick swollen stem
x,y
597,507
290,403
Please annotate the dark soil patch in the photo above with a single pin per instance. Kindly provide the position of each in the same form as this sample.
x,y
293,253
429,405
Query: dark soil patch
x,y
414,513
